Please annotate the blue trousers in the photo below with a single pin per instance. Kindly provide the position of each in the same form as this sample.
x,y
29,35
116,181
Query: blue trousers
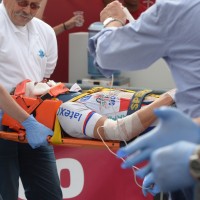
x,y
36,167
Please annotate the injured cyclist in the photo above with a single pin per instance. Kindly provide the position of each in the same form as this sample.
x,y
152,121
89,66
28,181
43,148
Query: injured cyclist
x,y
107,113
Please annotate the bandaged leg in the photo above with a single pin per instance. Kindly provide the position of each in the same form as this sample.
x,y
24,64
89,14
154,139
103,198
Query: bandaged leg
x,y
123,129
77,120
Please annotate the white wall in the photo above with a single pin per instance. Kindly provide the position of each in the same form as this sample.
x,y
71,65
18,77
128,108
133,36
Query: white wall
x,y
155,77
78,57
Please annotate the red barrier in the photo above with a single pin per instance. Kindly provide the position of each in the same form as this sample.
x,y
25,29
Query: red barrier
x,y
93,173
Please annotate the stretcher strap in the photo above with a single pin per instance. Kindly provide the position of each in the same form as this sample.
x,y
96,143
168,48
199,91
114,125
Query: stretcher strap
x,y
136,101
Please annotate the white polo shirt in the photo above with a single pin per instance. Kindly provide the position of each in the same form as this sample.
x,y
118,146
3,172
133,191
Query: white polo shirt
x,y
25,53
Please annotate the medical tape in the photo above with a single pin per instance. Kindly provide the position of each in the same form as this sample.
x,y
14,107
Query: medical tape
x,y
129,17
123,129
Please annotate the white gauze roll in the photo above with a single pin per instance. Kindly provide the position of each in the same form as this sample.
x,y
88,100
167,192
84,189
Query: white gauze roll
x,y
123,129
77,120
40,89
29,89
129,17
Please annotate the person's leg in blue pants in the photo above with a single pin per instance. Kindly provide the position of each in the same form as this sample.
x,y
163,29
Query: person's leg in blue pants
x,y
38,173
36,167
9,170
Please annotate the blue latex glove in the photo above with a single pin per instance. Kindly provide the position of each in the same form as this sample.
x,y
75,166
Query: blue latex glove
x,y
170,166
36,133
149,185
173,126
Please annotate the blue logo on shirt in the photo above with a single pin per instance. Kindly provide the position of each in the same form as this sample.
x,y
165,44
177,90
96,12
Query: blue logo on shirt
x,y
41,53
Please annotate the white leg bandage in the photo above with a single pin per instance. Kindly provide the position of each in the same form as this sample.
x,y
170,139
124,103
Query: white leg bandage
x,y
29,89
77,120
123,129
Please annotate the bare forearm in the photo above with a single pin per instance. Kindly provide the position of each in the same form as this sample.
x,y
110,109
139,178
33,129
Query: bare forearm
x,y
40,12
60,28
9,106
146,114
67,25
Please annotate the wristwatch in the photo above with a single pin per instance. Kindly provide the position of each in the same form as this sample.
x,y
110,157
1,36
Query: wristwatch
x,y
195,164
111,19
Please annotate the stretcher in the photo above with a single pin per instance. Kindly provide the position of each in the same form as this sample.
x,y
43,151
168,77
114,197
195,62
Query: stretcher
x,y
44,109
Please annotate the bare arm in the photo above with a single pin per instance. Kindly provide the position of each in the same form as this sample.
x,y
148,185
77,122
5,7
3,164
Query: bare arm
x,y
60,28
40,12
146,114
9,106
69,24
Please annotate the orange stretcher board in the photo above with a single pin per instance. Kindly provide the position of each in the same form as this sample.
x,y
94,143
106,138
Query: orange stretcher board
x,y
66,141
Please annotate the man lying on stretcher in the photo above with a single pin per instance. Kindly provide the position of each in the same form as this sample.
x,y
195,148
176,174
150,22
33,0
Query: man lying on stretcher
x,y
93,113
